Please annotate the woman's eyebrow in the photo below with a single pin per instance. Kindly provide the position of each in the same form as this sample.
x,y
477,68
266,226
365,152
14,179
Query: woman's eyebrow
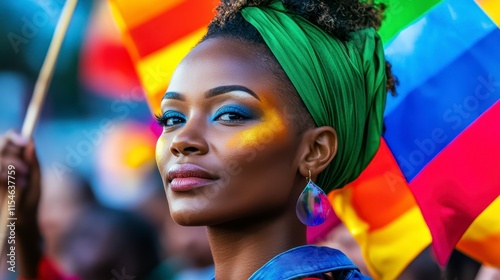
x,y
173,95
225,89
212,92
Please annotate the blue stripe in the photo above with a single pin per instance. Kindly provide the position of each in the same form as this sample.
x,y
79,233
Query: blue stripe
x,y
432,115
423,49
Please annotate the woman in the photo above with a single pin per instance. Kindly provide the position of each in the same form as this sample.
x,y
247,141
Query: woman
x,y
278,95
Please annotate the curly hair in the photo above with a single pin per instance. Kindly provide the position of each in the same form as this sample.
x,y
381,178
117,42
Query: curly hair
x,y
336,17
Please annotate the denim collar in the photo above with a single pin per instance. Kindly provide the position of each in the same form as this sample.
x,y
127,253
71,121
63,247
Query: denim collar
x,y
304,261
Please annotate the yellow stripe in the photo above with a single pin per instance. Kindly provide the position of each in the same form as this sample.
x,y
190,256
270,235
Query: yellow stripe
x,y
492,8
341,203
484,229
340,200
393,247
382,248
155,70
488,222
134,13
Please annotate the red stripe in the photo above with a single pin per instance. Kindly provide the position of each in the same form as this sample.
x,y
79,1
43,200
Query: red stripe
x,y
382,179
461,181
171,25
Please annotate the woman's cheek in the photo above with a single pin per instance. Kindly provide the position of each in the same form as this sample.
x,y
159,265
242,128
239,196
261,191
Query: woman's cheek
x,y
161,149
271,130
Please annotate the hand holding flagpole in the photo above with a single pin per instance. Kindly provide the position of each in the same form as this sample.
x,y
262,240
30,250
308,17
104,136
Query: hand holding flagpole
x,y
39,93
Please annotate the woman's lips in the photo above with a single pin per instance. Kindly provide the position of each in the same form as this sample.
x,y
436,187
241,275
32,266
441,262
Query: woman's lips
x,y
185,177
187,184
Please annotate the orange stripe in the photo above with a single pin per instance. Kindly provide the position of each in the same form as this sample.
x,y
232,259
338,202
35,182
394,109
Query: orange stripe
x,y
485,250
482,239
171,26
135,13
154,100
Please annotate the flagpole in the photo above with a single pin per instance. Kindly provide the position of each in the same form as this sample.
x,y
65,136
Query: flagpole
x,y
40,91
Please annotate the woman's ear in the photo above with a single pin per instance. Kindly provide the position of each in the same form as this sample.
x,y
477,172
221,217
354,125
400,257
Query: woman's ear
x,y
321,148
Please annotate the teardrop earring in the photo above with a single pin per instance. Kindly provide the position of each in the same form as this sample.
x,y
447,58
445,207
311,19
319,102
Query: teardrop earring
x,y
313,206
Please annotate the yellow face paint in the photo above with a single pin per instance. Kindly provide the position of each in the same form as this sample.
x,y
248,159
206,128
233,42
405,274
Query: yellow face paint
x,y
272,128
160,148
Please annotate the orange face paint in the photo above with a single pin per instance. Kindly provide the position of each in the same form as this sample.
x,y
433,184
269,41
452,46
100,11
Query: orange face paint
x,y
272,128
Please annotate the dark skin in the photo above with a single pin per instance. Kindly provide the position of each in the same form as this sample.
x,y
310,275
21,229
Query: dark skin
x,y
20,152
249,143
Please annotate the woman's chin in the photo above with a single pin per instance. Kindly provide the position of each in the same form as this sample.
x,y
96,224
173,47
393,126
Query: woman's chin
x,y
208,217
191,217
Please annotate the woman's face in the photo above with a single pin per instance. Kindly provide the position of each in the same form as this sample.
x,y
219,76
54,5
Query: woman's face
x,y
229,146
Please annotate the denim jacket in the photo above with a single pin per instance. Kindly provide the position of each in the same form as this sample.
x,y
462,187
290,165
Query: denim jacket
x,y
308,261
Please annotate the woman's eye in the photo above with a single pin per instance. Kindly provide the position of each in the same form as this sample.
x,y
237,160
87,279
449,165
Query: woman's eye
x,y
232,114
170,118
173,121
227,117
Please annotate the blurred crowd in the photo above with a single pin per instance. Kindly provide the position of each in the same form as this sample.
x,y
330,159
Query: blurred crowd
x,y
102,212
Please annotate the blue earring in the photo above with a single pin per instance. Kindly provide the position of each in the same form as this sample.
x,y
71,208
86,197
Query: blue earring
x,y
313,206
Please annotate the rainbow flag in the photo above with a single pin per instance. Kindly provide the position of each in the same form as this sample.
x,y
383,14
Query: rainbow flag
x,y
434,179
381,212
442,137
441,127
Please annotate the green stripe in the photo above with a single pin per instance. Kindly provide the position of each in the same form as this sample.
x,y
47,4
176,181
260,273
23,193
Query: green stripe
x,y
401,13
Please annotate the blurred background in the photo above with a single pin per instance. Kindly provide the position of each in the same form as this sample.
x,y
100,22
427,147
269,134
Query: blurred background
x,y
95,98
95,141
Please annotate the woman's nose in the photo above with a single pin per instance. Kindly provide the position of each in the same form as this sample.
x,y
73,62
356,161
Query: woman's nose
x,y
190,139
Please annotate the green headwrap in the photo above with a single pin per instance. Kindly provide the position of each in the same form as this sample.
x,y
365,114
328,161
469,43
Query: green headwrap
x,y
343,85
